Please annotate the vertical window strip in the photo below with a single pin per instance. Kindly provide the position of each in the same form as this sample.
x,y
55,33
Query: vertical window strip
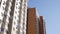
x,y
3,7
22,14
24,28
21,23
24,20
25,9
9,10
6,17
20,27
12,14
17,12
1,18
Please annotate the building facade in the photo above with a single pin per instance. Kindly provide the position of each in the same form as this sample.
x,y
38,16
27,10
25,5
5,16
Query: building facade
x,y
13,17
35,24
42,27
31,21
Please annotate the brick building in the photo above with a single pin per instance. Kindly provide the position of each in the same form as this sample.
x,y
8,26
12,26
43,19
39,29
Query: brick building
x,y
35,24
31,21
42,28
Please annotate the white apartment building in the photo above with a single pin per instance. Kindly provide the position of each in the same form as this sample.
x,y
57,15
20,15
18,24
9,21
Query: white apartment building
x,y
13,16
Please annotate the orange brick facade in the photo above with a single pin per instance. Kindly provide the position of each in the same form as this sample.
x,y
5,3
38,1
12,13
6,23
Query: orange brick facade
x,y
31,20
41,25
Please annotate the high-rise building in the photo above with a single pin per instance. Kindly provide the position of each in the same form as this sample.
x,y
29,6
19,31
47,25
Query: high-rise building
x,y
31,21
13,18
35,24
42,28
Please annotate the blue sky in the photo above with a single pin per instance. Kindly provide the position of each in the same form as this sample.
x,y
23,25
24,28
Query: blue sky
x,y
50,9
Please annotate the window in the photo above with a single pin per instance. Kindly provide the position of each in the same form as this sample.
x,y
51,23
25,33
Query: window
x,y
7,32
14,23
2,29
16,3
0,20
21,0
6,9
2,14
24,4
25,1
17,0
16,11
16,7
3,8
4,3
15,17
18,32
13,29
5,13
11,17
16,27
